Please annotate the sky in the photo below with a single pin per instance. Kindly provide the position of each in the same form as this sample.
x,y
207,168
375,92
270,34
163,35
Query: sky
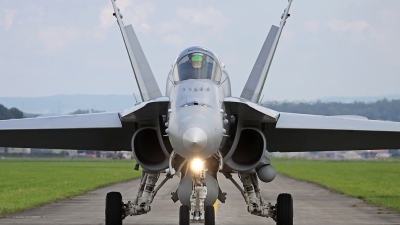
x,y
328,48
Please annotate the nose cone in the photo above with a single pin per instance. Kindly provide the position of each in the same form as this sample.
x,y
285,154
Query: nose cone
x,y
194,139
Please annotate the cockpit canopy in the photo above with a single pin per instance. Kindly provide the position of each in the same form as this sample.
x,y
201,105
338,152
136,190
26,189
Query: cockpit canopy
x,y
197,63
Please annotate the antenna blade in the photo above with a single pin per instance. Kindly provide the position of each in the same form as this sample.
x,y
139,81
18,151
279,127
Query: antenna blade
x,y
258,75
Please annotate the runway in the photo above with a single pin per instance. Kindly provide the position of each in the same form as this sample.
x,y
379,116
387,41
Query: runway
x,y
313,204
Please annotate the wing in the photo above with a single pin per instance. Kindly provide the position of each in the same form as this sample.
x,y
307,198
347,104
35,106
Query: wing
x,y
300,133
290,132
249,111
100,131
255,83
144,76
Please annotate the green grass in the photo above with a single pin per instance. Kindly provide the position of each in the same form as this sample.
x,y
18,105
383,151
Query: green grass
x,y
376,182
28,183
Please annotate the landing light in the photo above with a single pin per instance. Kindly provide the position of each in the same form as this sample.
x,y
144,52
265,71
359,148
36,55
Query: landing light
x,y
197,164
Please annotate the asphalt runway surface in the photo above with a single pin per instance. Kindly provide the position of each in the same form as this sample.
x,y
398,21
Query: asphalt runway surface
x,y
313,204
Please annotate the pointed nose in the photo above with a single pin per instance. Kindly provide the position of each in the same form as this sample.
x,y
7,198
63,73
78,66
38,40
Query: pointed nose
x,y
194,139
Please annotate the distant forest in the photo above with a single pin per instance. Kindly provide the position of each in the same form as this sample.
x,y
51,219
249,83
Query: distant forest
x,y
12,113
379,110
87,111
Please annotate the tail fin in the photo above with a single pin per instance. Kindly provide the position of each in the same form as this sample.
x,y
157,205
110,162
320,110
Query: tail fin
x,y
144,76
255,83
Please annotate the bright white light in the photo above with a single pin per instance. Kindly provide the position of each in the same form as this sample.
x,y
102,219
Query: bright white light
x,y
197,164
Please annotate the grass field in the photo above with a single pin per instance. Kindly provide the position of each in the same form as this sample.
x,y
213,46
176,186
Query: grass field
x,y
28,183
376,182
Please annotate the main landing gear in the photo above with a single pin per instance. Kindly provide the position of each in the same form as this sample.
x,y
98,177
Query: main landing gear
x,y
284,209
281,212
198,203
114,208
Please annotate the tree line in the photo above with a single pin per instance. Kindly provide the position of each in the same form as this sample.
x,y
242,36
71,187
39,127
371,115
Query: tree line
x,y
87,111
379,110
12,113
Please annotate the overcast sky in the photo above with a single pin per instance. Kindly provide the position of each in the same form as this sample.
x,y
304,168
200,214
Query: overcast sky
x,y
328,48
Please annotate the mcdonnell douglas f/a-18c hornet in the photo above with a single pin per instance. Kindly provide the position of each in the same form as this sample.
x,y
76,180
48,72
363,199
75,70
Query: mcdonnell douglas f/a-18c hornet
x,y
197,130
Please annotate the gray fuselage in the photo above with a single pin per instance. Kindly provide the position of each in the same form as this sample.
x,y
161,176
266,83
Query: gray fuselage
x,y
196,115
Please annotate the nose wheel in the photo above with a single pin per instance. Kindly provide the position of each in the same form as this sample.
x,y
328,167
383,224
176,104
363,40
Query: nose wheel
x,y
284,209
209,215
184,215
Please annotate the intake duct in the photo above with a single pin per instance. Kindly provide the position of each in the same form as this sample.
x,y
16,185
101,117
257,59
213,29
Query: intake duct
x,y
149,149
247,150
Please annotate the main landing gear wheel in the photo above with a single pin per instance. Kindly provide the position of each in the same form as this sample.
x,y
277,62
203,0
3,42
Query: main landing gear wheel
x,y
114,208
184,215
284,209
209,215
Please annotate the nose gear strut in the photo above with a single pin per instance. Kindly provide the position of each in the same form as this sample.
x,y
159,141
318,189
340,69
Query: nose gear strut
x,y
199,194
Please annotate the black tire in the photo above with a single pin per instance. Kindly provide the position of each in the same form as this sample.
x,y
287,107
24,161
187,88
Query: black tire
x,y
184,217
209,215
284,209
114,208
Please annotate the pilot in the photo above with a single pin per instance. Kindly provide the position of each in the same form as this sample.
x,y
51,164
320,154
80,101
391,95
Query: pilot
x,y
197,61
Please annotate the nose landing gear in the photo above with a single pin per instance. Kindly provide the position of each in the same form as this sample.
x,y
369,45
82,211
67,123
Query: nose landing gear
x,y
209,216
184,215
281,212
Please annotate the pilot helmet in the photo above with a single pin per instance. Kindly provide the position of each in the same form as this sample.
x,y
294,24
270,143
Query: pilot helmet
x,y
197,60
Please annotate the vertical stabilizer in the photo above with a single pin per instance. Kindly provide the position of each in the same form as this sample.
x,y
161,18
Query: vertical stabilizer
x,y
255,83
144,76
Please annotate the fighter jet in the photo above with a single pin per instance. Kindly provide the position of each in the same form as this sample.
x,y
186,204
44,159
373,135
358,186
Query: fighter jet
x,y
198,130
